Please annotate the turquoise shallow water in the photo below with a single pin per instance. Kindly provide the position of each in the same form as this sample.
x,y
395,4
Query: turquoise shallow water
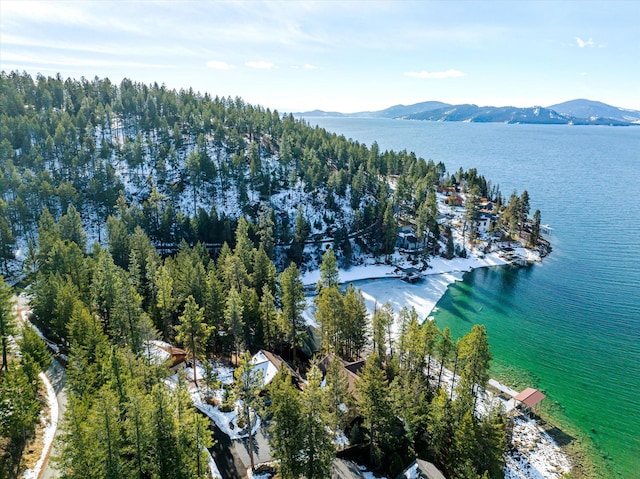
x,y
572,324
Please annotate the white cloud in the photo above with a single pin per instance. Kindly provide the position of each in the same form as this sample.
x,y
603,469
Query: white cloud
x,y
260,65
216,65
308,66
436,75
588,43
62,61
583,74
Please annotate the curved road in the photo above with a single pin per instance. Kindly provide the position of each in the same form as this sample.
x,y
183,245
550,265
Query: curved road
x,y
58,378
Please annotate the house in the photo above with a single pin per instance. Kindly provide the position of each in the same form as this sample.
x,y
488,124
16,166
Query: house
x,y
454,200
486,204
269,364
407,238
446,190
420,469
351,370
159,352
485,221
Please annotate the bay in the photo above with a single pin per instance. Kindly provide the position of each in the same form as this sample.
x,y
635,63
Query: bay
x,y
571,325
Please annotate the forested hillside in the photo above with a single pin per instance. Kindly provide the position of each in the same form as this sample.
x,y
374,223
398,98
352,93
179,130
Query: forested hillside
x,y
139,212
186,166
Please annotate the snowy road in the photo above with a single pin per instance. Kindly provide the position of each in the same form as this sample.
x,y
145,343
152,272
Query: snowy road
x,y
58,378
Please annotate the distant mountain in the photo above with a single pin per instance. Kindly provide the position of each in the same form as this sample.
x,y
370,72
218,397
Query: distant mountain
x,y
321,113
595,109
575,112
509,114
396,111
400,111
491,114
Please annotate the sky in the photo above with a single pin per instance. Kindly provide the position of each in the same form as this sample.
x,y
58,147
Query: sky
x,y
345,56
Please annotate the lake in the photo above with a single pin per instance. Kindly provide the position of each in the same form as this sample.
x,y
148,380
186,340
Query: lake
x,y
570,326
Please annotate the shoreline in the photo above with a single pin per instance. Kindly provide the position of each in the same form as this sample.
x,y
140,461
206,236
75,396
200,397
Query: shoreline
x,y
437,278
424,297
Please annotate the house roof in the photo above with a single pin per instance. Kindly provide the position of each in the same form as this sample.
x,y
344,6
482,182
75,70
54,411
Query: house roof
x,y
351,370
420,469
269,364
530,397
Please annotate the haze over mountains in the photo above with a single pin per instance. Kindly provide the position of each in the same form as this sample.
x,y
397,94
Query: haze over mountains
x,y
574,112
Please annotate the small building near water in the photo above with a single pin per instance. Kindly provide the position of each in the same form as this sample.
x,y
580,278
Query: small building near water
x,y
529,398
410,275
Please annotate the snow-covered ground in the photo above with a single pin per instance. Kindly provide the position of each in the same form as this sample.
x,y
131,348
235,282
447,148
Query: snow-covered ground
x,y
535,454
226,421
380,283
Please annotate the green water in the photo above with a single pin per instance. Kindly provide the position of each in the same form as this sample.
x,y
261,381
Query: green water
x,y
537,342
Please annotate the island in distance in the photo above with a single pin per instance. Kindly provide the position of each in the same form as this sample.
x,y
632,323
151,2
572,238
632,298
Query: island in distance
x,y
574,112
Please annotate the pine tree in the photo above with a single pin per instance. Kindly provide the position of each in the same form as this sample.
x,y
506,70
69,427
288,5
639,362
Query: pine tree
x,y
523,208
337,393
356,320
244,249
329,315
535,230
440,427
318,450
234,317
382,322
193,332
475,357
165,301
390,230
247,386
266,231
375,407
19,408
7,319
293,304
445,347
285,432
264,272
269,316
471,216
329,276
32,344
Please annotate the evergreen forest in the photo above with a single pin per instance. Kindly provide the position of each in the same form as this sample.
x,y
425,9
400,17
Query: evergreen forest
x,y
133,213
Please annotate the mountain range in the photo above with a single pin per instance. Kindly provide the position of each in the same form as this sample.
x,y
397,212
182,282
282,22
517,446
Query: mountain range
x,y
574,112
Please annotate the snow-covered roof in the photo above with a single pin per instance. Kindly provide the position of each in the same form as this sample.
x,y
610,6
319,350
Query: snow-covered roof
x,y
265,366
269,364
420,469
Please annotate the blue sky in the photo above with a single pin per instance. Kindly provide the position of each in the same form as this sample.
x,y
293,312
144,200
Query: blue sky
x,y
339,55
